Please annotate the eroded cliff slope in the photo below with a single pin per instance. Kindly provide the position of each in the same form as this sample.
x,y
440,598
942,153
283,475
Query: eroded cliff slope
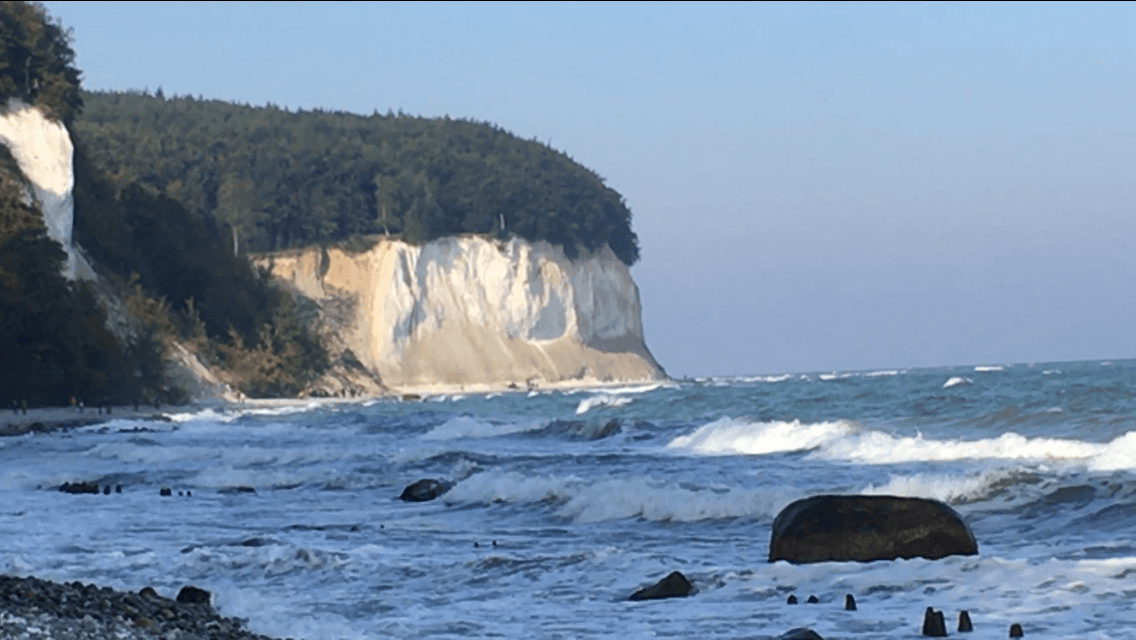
x,y
42,149
471,312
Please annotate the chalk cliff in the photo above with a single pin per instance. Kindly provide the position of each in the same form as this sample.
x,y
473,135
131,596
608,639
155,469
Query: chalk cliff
x,y
470,312
42,149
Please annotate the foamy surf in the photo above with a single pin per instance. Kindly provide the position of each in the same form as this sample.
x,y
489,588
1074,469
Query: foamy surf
x,y
563,521
588,404
470,427
585,500
727,436
944,487
844,440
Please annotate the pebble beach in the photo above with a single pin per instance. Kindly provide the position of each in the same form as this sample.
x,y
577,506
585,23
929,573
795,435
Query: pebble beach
x,y
34,609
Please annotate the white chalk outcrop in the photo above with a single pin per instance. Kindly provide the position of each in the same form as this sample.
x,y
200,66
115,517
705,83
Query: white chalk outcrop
x,y
42,149
469,312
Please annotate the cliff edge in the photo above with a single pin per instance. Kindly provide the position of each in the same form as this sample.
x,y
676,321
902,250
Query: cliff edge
x,y
467,313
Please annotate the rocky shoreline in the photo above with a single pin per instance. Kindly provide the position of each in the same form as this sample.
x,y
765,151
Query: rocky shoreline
x,y
34,609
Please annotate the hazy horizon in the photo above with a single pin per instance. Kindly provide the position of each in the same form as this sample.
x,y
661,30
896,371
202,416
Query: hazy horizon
x,y
815,187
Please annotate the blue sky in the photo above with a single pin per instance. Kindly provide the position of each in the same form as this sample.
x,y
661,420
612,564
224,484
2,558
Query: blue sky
x,y
815,186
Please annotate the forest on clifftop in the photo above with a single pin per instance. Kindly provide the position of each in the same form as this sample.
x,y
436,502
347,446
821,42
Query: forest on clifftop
x,y
279,179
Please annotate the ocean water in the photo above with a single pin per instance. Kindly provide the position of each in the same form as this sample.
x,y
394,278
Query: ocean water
x,y
557,514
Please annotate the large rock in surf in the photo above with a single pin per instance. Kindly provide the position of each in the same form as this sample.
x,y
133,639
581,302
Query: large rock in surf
x,y
866,528
423,491
674,585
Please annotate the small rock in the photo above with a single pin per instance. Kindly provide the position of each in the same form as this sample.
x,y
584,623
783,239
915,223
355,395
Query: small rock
x,y
1016,630
792,600
106,490
812,600
964,621
193,595
674,585
148,592
849,603
165,492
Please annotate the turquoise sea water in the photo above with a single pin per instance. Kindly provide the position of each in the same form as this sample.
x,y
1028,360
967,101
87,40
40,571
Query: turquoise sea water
x,y
557,514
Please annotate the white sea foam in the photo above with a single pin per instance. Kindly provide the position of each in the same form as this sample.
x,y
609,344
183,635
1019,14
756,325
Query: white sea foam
x,y
944,487
874,447
844,440
587,404
995,367
642,498
594,500
511,487
1118,454
956,381
781,378
732,436
880,374
469,427
835,376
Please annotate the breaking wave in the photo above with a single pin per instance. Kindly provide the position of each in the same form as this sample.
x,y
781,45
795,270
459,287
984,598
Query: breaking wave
x,y
847,441
595,500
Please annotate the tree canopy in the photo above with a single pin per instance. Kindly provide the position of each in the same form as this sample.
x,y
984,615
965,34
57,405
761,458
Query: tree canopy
x,y
279,179
37,64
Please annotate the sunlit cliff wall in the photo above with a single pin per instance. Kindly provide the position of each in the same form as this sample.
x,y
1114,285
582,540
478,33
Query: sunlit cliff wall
x,y
474,312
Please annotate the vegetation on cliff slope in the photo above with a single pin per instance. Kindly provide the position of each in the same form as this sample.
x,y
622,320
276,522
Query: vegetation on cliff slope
x,y
183,281
278,179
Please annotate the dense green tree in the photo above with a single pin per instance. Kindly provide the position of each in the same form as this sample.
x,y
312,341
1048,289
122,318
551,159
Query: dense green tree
x,y
37,64
276,179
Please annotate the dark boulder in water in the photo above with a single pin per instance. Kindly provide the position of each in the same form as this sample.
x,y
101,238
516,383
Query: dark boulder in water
x,y
79,487
674,585
193,595
800,633
866,528
424,490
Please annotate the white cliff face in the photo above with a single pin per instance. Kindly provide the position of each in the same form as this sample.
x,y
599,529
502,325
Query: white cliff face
x,y
470,312
43,151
